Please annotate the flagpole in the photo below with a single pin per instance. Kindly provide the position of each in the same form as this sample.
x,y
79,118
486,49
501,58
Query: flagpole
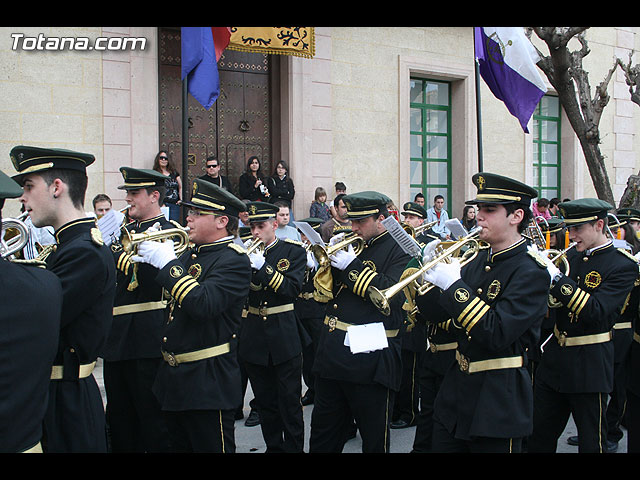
x,y
185,137
478,117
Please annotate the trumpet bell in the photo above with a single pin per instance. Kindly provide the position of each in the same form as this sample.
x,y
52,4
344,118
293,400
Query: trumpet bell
x,y
130,241
14,236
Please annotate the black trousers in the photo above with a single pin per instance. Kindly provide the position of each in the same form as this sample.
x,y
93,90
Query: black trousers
x,y
551,411
277,390
633,422
616,408
430,382
337,403
134,419
407,402
445,442
201,431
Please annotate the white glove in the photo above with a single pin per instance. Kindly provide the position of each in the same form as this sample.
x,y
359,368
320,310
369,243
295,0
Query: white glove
x,y
157,254
552,269
637,255
312,263
154,228
257,260
429,250
342,258
443,275
336,238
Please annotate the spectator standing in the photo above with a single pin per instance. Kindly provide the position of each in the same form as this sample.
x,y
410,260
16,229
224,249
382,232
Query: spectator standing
x,y
281,186
319,207
252,185
541,208
439,214
469,218
212,173
173,183
341,189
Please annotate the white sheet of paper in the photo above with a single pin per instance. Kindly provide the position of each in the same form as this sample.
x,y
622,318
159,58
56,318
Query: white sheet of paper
x,y
366,338
109,226
165,211
313,236
455,227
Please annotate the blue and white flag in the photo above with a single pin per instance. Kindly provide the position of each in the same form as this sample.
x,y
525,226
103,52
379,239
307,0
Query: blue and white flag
x,y
507,63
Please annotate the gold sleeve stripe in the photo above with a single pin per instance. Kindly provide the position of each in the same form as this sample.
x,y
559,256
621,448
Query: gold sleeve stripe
x,y
576,299
365,286
276,281
178,285
188,288
467,309
583,302
478,316
363,278
471,314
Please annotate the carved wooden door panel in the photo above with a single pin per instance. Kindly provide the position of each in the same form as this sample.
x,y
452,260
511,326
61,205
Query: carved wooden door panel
x,y
235,128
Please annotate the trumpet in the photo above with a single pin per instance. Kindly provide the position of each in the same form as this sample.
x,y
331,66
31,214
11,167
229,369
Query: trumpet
x,y
15,241
256,244
130,241
382,298
415,231
323,252
535,233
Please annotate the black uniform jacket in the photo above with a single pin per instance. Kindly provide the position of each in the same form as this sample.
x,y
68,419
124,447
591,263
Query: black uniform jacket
x,y
209,284
496,308
88,275
31,301
441,348
380,265
277,336
592,296
140,309
633,359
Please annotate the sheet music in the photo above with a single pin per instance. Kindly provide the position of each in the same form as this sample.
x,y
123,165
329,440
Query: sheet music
x,y
406,241
109,226
455,227
313,236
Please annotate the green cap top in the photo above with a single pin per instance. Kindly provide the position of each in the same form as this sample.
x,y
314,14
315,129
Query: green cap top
x,y
28,160
136,178
315,223
493,188
9,188
414,209
208,196
365,204
261,211
628,214
576,212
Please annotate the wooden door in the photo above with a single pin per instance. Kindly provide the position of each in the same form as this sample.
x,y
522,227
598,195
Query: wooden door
x,y
238,125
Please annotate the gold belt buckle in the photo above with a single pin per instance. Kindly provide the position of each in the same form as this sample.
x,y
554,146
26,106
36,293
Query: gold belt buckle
x,y
433,347
171,360
262,311
332,322
463,362
562,338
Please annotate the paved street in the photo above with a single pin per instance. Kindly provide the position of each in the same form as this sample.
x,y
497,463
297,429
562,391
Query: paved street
x,y
249,439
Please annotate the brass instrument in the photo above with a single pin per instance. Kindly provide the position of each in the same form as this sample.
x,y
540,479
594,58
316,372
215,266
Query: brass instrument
x,y
130,241
415,231
534,233
381,298
256,244
14,241
323,252
558,258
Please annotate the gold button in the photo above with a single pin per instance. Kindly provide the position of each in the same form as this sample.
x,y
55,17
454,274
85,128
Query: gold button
x,y
164,339
479,291
335,306
72,350
264,319
487,268
585,259
193,255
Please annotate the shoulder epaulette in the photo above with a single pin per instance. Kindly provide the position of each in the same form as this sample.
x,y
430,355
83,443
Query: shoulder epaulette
x,y
96,236
32,262
295,242
626,253
538,258
236,247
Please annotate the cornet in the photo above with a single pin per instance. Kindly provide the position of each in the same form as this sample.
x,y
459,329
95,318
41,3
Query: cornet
x,y
415,231
130,241
323,252
16,242
255,245
382,298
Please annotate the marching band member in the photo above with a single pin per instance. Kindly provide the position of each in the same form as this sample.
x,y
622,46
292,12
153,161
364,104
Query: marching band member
x,y
350,382
575,374
495,305
198,384
272,341
31,300
55,182
132,356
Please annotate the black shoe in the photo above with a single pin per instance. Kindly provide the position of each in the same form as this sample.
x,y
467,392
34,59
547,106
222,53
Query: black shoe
x,y
252,420
307,398
400,424
573,440
611,447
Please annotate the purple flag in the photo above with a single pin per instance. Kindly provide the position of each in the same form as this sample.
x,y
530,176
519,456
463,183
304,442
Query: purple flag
x,y
507,63
199,64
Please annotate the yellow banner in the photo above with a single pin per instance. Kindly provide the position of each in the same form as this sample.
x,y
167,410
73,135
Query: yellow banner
x,y
298,41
